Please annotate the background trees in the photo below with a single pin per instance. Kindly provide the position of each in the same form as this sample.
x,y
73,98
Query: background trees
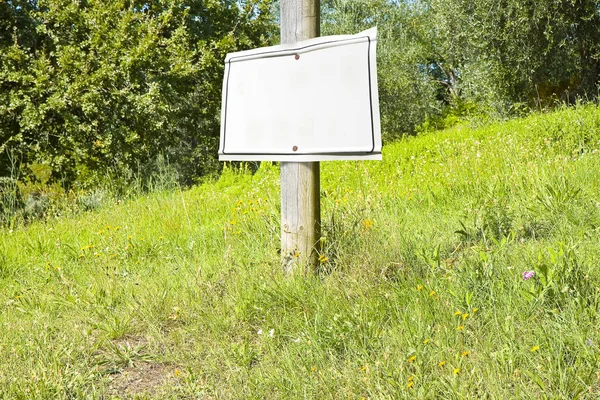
x,y
443,59
92,89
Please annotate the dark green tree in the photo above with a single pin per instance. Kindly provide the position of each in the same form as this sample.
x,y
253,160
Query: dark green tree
x,y
95,89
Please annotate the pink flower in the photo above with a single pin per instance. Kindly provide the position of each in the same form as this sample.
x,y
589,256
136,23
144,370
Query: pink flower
x,y
528,274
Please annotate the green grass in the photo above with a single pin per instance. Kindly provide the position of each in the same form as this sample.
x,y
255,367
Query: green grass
x,y
180,294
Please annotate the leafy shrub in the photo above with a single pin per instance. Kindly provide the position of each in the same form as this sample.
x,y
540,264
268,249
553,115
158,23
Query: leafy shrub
x,y
97,91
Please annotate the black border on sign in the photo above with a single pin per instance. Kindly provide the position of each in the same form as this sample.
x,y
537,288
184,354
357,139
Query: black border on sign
x,y
274,54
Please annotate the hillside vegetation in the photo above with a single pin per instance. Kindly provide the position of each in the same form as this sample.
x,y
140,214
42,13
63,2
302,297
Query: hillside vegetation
x,y
98,91
421,292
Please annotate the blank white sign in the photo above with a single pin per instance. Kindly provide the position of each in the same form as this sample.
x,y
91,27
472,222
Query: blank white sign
x,y
308,101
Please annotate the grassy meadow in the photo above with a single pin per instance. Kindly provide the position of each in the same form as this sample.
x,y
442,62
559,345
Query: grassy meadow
x,y
421,292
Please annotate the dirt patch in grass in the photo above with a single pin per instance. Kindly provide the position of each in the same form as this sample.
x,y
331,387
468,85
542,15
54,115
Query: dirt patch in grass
x,y
144,378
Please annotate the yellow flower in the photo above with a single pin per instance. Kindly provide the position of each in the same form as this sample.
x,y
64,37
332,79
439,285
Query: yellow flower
x,y
412,378
457,312
456,371
410,384
323,258
535,348
441,363
420,287
426,341
475,310
460,328
368,223
314,368
465,353
412,358
432,293
464,316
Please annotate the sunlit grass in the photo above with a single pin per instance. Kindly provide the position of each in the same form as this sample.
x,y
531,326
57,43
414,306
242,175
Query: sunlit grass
x,y
421,290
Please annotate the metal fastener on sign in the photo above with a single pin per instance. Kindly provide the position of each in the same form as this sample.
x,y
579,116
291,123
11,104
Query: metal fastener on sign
x,y
297,56
295,148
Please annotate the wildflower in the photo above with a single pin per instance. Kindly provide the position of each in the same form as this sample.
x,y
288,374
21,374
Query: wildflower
x,y
259,332
272,332
420,287
314,368
465,353
464,316
410,384
323,258
460,328
368,223
426,341
441,363
528,274
457,312
535,348
411,359
432,293
475,310
456,371
177,373
412,378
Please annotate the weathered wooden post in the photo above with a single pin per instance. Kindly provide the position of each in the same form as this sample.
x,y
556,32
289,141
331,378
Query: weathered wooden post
x,y
300,181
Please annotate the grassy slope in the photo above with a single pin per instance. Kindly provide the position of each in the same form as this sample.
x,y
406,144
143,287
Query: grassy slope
x,y
165,296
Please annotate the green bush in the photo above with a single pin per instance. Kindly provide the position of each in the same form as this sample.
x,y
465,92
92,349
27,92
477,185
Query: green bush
x,y
97,90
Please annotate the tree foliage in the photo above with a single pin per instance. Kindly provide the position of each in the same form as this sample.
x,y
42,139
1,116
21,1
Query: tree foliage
x,y
518,52
442,59
90,87
406,95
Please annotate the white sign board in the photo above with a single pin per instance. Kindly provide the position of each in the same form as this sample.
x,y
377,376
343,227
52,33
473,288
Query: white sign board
x,y
309,101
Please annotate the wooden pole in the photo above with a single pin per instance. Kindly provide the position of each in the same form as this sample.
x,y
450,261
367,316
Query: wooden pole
x,y
300,181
